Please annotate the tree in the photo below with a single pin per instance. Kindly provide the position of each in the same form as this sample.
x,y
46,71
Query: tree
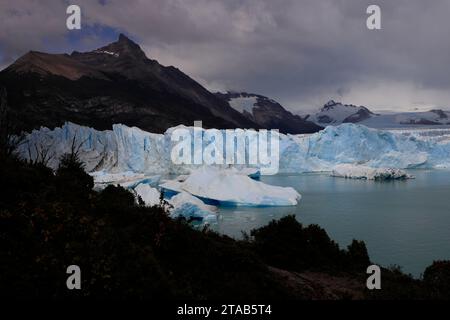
x,y
8,141
71,177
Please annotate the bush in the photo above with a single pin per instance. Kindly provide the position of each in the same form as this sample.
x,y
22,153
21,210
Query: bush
x,y
125,250
49,221
437,279
71,179
358,255
287,244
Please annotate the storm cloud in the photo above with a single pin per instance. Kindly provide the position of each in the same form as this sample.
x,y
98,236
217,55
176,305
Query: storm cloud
x,y
301,53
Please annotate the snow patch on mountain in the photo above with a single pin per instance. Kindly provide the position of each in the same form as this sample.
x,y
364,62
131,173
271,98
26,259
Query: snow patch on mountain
x,y
242,103
267,113
335,113
407,119
108,52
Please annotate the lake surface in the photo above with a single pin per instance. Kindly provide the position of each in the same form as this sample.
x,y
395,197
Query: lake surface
x,y
406,223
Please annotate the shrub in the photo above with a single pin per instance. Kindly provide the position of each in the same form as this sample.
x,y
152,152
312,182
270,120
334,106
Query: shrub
x,y
287,244
437,279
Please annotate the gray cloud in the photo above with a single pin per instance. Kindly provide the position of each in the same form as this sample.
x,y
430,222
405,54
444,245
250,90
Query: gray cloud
x,y
301,53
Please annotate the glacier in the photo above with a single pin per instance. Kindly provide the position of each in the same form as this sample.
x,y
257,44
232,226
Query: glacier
x,y
127,179
136,159
357,144
130,149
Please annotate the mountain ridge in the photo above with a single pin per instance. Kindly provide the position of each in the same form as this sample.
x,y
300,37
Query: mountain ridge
x,y
115,83
336,113
268,113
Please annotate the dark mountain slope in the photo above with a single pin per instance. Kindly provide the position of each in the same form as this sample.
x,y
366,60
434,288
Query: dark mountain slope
x,y
113,84
268,113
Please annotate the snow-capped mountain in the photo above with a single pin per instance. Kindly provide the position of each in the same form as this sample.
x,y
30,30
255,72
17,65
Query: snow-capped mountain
x,y
336,113
268,113
430,118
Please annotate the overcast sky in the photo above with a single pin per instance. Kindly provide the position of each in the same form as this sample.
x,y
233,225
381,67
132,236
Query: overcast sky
x,y
299,52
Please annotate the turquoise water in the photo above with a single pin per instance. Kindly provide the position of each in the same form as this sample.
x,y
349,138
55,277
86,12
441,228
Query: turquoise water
x,y
406,223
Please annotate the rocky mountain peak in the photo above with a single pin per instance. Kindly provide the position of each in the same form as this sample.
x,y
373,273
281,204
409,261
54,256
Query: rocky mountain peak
x,y
123,47
331,103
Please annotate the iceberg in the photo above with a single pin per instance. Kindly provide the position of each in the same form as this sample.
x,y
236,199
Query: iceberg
x,y
364,172
228,188
187,206
149,195
180,205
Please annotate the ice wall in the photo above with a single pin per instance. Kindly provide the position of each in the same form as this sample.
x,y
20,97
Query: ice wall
x,y
131,149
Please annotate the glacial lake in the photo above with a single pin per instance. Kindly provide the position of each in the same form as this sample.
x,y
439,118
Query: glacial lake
x,y
406,223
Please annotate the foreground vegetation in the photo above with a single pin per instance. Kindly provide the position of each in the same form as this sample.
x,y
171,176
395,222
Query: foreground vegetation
x,y
50,220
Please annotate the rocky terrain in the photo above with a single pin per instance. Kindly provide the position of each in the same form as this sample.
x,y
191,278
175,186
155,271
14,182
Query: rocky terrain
x,y
113,84
268,113
119,84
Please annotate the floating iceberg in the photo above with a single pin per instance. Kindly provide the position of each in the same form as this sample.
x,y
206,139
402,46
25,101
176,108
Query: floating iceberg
x,y
186,205
228,188
363,172
149,195
182,204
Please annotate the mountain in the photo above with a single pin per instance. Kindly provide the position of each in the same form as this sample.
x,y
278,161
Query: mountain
x,y
336,113
267,113
113,84
430,119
